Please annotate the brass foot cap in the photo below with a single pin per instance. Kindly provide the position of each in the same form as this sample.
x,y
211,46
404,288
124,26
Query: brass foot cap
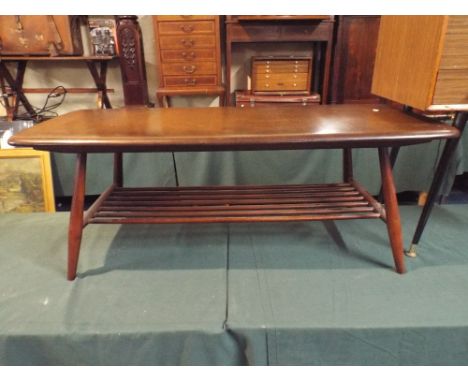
x,y
411,252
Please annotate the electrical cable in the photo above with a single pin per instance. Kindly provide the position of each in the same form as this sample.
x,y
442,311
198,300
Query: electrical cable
x,y
47,111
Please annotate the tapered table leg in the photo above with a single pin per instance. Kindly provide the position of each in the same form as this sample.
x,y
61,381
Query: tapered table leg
x,y
393,157
118,169
391,208
432,195
459,122
75,229
347,165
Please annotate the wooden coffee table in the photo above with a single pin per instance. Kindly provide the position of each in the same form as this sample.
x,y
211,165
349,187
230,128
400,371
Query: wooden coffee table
x,y
219,129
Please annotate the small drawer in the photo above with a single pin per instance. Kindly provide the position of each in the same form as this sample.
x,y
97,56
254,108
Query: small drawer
x,y
173,81
187,42
175,55
281,68
185,27
184,17
195,68
282,85
280,77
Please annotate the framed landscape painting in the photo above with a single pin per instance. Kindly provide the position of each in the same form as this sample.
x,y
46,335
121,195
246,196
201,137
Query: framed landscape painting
x,y
25,181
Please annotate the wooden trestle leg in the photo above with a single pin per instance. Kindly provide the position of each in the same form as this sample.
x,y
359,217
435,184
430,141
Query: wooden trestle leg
x,y
391,207
118,171
75,228
347,165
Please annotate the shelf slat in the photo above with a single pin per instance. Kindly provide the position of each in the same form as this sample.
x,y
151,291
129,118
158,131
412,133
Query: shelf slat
x,y
235,204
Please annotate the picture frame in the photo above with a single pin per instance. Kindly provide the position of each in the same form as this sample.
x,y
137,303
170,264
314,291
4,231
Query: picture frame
x,y
26,181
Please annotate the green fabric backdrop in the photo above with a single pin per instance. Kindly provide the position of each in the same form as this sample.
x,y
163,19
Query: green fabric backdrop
x,y
413,171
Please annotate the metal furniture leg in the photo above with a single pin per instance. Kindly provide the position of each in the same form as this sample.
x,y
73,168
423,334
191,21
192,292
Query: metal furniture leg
x,y
449,149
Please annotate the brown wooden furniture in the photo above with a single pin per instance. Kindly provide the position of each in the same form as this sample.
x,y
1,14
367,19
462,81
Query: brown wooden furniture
x,y
188,56
422,62
353,59
316,31
245,98
281,75
132,60
97,66
40,35
215,129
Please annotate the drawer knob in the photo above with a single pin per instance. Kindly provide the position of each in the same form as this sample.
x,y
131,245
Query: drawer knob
x,y
187,42
190,81
187,28
189,68
188,55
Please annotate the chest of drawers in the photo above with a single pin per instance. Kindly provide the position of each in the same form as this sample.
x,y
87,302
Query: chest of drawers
x,y
188,55
245,98
281,75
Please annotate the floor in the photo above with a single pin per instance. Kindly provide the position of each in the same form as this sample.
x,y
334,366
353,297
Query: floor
x,y
234,294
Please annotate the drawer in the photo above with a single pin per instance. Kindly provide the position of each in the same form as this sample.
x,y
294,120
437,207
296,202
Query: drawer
x,y
246,99
190,81
185,27
282,85
184,17
281,68
187,42
280,77
188,55
274,104
175,69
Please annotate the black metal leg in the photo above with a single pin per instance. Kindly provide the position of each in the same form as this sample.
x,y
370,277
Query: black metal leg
x,y
449,149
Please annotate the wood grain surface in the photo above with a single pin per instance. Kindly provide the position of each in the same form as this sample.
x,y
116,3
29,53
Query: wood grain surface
x,y
208,129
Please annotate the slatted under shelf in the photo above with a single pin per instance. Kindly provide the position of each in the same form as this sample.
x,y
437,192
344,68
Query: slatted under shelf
x,y
235,204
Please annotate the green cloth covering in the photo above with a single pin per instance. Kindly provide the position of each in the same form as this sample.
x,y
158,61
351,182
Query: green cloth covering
x,y
413,171
216,294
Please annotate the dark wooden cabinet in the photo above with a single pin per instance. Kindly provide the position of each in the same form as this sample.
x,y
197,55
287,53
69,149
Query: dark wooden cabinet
x,y
316,32
132,61
354,58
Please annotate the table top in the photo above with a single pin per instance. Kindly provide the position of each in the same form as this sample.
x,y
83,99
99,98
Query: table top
x,y
229,128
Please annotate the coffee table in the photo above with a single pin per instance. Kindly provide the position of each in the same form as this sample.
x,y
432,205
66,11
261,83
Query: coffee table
x,y
217,129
